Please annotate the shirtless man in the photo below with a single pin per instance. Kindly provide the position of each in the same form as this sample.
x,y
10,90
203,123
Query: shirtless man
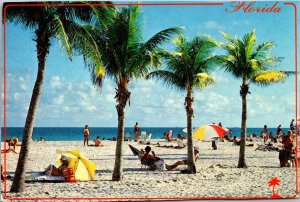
x,y
86,134
98,142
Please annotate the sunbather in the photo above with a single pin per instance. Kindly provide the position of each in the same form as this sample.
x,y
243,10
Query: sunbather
x,y
150,160
98,142
8,150
184,162
13,142
182,137
54,171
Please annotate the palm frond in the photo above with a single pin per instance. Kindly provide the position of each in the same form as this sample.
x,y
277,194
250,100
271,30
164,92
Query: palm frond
x,y
203,80
268,77
169,78
205,46
161,37
249,41
61,35
227,36
263,49
84,43
134,27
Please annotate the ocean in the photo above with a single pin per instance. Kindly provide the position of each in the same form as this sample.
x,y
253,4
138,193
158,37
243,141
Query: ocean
x,y
75,133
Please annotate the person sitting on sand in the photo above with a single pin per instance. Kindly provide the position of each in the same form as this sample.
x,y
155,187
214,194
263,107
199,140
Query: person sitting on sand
x,y
42,139
169,136
98,142
51,170
184,162
236,141
13,142
150,160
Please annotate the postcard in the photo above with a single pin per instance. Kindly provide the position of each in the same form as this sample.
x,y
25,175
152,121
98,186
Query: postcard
x,y
149,100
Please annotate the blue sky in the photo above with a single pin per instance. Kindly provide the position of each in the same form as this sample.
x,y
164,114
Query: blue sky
x,y
69,98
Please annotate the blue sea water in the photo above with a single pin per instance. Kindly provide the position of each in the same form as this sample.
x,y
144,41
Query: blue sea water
x,y
75,133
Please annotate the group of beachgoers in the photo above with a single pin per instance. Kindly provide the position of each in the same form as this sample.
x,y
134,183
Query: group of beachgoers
x,y
86,136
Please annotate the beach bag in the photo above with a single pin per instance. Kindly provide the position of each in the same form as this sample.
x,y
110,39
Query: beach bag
x,y
69,175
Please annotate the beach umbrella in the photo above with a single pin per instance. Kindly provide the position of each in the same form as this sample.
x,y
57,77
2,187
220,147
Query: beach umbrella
x,y
83,168
134,150
209,131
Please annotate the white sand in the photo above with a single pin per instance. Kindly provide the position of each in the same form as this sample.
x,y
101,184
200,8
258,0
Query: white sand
x,y
217,174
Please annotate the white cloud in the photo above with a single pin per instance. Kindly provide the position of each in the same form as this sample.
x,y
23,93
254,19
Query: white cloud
x,y
55,81
110,98
17,96
23,86
59,100
66,108
211,24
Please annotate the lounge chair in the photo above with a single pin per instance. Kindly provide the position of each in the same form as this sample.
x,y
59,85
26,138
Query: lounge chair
x,y
127,137
145,138
143,135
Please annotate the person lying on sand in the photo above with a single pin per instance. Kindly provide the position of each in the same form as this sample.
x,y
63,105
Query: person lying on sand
x,y
184,162
182,137
51,170
8,151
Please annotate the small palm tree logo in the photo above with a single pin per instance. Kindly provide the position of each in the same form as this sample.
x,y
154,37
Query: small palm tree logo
x,y
274,182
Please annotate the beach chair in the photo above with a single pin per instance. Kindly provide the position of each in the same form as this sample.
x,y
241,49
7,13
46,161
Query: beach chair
x,y
148,139
143,135
127,137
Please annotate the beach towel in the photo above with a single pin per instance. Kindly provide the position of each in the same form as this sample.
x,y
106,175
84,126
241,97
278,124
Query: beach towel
x,y
41,177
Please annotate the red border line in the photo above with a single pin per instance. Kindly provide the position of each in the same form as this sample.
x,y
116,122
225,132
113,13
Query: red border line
x,y
296,84
4,106
178,198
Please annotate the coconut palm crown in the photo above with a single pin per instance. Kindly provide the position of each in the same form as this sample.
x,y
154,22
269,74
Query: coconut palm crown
x,y
124,55
252,63
189,68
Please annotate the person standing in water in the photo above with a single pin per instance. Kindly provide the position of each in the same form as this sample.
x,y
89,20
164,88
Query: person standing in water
x,y
86,134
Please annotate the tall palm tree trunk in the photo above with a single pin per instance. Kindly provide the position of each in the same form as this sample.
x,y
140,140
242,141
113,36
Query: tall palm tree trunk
x,y
190,113
42,51
122,97
244,92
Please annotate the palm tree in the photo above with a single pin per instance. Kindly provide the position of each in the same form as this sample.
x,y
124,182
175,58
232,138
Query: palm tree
x,y
124,55
253,64
274,182
187,69
49,23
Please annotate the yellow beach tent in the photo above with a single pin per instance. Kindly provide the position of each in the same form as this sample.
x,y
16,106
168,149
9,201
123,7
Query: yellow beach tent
x,y
83,168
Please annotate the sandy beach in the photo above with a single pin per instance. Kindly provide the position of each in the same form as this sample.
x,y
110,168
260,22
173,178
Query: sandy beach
x,y
217,174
